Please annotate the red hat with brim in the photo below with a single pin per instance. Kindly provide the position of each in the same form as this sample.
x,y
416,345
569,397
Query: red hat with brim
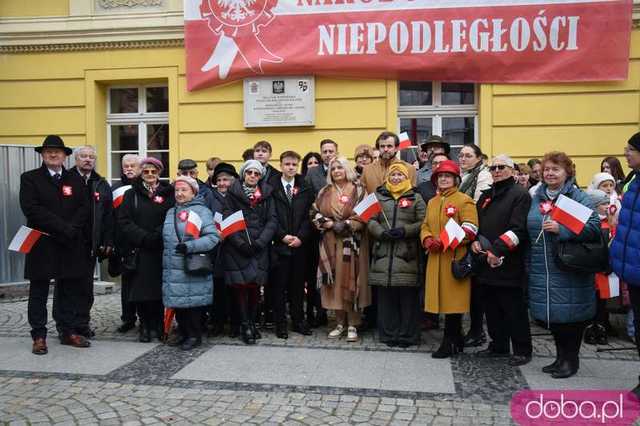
x,y
447,166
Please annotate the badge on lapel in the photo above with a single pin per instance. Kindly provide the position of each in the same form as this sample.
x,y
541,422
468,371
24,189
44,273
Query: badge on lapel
x,y
158,199
96,196
344,199
67,190
183,215
404,203
450,210
486,202
294,190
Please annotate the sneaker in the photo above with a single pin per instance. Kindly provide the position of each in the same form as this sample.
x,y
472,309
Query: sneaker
x,y
337,332
352,334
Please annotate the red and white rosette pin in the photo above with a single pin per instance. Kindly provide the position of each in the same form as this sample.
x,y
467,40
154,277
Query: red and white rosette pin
x,y
238,23
545,207
450,210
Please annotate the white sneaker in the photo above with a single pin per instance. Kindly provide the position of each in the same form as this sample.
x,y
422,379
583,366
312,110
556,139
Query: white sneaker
x,y
337,332
352,334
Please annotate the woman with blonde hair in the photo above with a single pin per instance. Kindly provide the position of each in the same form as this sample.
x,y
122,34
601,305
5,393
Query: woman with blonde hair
x,y
343,264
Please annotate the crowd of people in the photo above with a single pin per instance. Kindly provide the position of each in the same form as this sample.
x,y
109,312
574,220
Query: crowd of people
x,y
450,236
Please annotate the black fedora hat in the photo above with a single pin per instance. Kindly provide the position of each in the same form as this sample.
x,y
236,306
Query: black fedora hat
x,y
435,140
53,141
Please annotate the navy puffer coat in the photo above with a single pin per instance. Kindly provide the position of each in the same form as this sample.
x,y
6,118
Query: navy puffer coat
x,y
557,296
625,249
179,289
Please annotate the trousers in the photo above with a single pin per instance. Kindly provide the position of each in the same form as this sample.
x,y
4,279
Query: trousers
x,y
507,319
66,300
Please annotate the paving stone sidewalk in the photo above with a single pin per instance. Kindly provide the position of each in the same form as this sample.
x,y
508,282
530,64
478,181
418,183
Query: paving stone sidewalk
x,y
163,386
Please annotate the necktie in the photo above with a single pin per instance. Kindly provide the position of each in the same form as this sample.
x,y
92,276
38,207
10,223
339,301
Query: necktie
x,y
289,194
57,177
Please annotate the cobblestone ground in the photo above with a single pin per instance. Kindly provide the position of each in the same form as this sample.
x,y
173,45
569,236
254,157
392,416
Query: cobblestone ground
x,y
143,392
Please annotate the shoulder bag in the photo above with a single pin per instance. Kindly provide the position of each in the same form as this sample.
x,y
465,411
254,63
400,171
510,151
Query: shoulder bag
x,y
582,257
194,263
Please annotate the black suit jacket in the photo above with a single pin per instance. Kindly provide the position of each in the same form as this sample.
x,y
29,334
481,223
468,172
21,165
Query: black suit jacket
x,y
62,211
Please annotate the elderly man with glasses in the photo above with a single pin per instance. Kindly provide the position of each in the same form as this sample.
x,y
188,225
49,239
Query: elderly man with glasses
x,y
502,233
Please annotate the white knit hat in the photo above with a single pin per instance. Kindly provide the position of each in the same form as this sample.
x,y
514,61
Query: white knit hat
x,y
252,164
598,178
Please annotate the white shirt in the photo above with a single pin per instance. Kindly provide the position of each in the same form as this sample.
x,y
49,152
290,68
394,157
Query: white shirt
x,y
285,183
53,172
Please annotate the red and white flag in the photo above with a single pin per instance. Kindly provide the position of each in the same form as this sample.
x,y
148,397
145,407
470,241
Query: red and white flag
x,y
571,214
608,285
368,207
232,224
194,224
118,195
24,239
405,142
510,239
452,235
217,220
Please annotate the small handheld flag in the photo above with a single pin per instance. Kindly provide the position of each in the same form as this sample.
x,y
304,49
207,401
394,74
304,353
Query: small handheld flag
x,y
217,220
571,214
368,207
118,195
25,239
233,224
194,224
452,235
608,285
405,142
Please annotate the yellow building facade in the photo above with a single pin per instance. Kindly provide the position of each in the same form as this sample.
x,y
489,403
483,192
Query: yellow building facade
x,y
59,60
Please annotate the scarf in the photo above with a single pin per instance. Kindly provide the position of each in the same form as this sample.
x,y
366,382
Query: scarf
x,y
398,189
150,189
551,193
470,180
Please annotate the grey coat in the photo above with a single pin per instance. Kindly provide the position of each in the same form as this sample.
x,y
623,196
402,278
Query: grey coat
x,y
179,289
394,263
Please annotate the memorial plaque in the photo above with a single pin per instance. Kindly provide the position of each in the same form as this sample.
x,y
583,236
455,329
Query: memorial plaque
x,y
279,101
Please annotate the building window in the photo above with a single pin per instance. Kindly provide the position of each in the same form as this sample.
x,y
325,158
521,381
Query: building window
x,y
434,108
137,123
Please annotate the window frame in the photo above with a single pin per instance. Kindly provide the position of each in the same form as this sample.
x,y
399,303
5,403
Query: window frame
x,y
437,111
140,118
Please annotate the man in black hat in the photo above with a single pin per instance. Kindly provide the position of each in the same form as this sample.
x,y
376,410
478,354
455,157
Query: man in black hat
x,y
100,227
433,145
55,201
223,176
188,167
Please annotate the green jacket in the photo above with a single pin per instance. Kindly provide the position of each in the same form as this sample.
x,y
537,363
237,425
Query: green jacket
x,y
395,262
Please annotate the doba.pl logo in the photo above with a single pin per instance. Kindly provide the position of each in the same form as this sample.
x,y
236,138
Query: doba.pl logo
x,y
575,407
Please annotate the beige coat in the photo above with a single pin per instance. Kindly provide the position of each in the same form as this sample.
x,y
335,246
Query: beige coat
x,y
349,290
444,294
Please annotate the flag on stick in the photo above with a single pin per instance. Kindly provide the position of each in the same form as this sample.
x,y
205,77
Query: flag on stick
x,y
24,239
571,214
232,224
405,142
194,224
608,285
368,207
118,195
452,235
217,220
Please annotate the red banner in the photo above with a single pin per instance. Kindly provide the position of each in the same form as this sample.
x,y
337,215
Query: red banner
x,y
447,40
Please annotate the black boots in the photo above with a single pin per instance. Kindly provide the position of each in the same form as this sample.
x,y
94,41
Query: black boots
x,y
568,338
281,330
449,347
145,334
247,333
191,343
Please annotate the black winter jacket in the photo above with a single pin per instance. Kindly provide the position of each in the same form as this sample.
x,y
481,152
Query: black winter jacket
x,y
247,262
101,224
502,214
141,219
62,211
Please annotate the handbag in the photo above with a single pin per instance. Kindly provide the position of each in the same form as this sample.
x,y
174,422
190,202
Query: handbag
x,y
463,267
194,263
129,261
582,257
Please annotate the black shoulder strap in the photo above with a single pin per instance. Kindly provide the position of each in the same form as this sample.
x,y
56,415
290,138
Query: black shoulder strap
x,y
175,223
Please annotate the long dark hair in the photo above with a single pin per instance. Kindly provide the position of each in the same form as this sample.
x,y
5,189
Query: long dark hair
x,y
306,158
616,168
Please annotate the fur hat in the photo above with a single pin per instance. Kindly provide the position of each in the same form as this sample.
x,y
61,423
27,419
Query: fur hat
x,y
598,178
598,197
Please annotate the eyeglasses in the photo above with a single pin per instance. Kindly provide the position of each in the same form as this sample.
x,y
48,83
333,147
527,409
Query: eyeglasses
x,y
252,173
149,172
498,167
